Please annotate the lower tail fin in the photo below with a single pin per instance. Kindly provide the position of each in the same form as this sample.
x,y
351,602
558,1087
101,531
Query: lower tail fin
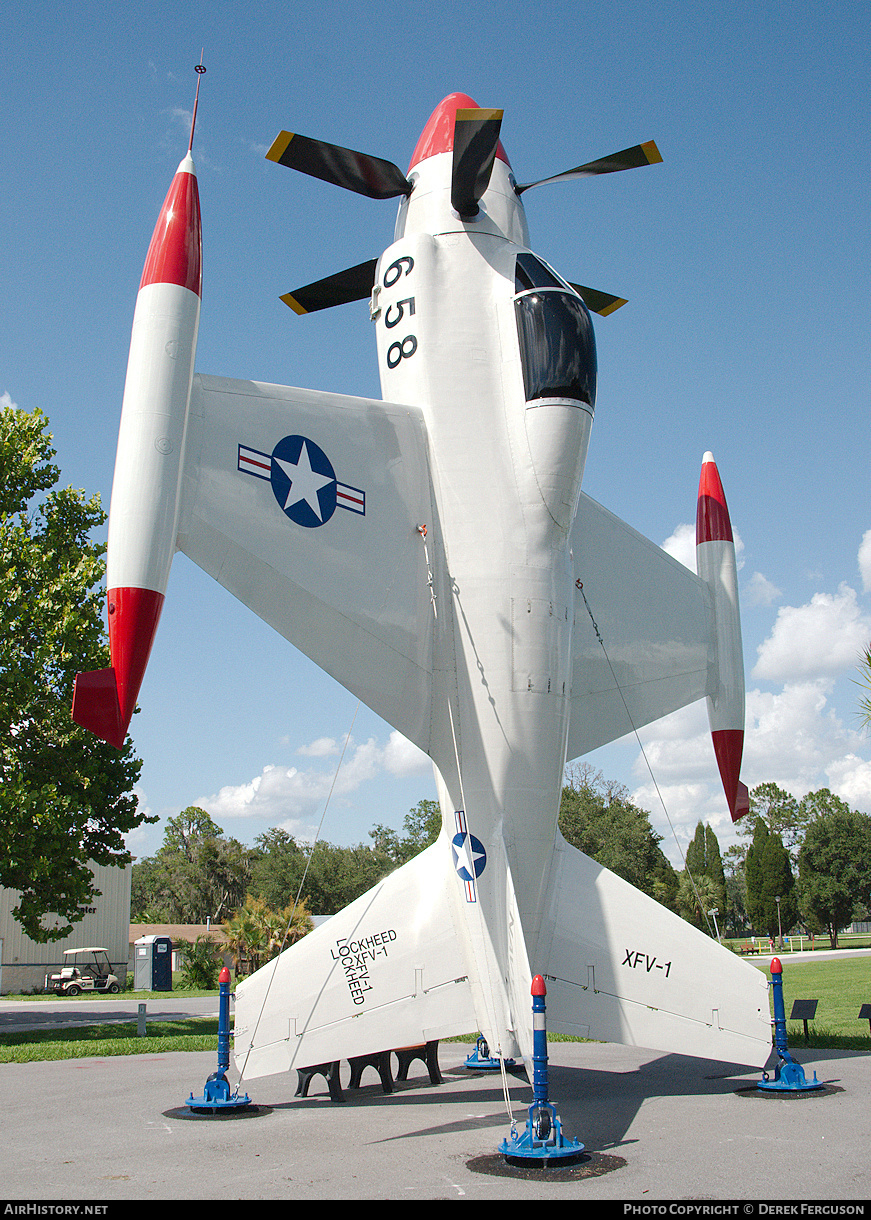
x,y
620,967
385,972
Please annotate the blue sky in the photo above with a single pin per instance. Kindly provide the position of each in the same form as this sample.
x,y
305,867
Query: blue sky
x,y
744,257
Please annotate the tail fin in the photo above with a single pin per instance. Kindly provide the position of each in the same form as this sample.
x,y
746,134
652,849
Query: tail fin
x,y
385,972
622,968
96,706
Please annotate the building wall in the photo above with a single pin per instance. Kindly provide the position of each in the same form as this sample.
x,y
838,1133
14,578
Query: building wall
x,y
24,963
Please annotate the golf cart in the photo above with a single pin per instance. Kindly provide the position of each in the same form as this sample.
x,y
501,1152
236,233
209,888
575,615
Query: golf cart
x,y
88,970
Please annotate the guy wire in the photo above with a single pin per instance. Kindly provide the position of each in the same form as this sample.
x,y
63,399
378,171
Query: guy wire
x,y
299,891
702,905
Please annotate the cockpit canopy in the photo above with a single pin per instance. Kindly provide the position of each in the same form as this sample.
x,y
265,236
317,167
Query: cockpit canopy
x,y
557,344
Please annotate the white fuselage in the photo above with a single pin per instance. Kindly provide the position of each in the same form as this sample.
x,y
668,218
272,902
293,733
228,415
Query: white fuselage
x,y
507,476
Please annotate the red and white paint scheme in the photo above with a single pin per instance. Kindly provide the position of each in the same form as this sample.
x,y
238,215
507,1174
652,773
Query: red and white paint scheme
x,y
435,554
143,518
716,564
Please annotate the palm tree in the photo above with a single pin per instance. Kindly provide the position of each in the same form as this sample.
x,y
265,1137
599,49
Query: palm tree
x,y
256,933
865,670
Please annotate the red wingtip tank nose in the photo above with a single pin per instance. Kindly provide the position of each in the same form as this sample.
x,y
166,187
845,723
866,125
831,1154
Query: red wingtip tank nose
x,y
175,255
713,523
438,135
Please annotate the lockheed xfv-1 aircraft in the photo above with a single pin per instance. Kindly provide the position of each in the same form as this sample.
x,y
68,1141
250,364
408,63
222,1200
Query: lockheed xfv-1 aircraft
x,y
435,554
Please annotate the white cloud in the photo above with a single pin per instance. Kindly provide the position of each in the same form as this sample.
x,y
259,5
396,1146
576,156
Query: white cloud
x,y
137,840
681,545
6,401
288,796
865,561
760,591
322,747
850,779
402,757
821,639
793,738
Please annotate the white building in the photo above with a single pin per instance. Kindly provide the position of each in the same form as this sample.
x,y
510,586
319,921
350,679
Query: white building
x,y
24,963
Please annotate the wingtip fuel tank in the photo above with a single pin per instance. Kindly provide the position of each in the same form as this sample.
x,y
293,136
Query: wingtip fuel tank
x,y
149,461
717,566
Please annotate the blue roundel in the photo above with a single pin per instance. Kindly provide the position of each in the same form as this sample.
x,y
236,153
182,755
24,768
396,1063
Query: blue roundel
x,y
469,855
303,481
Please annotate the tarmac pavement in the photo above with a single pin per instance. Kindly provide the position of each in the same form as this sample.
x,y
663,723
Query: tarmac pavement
x,y
656,1129
19,1015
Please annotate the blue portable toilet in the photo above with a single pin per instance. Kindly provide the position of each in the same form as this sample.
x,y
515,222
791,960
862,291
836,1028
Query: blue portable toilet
x,y
152,963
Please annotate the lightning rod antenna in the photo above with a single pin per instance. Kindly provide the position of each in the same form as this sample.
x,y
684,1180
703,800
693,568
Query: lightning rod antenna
x,y
199,69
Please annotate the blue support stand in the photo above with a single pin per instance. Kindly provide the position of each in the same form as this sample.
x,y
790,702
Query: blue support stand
x,y
217,1097
481,1059
542,1144
789,1076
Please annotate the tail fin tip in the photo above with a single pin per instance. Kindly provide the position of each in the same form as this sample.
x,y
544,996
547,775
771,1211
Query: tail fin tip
x,y
96,706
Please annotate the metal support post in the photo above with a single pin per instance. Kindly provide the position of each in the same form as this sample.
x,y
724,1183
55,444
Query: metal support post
x,y
542,1144
216,1093
788,1076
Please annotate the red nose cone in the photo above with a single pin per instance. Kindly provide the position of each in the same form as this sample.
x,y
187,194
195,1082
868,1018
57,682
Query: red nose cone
x,y
776,967
224,976
175,255
538,987
438,135
712,514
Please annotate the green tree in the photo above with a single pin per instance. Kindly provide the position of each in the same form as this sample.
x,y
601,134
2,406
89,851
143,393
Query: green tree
x,y
835,869
66,798
782,813
200,964
704,863
277,868
422,825
196,876
256,933
769,878
327,876
599,819
738,919
696,896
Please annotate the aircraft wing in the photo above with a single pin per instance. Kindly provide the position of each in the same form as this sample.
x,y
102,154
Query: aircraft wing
x,y
306,506
383,973
622,968
655,621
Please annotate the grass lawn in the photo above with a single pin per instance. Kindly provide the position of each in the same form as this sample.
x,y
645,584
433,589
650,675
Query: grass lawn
x,y
100,1041
842,986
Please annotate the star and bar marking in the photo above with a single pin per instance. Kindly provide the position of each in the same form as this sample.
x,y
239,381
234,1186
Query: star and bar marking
x,y
470,858
303,480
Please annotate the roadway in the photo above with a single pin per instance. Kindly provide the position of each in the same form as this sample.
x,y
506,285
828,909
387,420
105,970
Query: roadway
x,y
18,1015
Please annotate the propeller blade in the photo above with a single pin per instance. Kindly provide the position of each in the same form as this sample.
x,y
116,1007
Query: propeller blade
x,y
354,284
629,158
598,302
355,171
476,137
